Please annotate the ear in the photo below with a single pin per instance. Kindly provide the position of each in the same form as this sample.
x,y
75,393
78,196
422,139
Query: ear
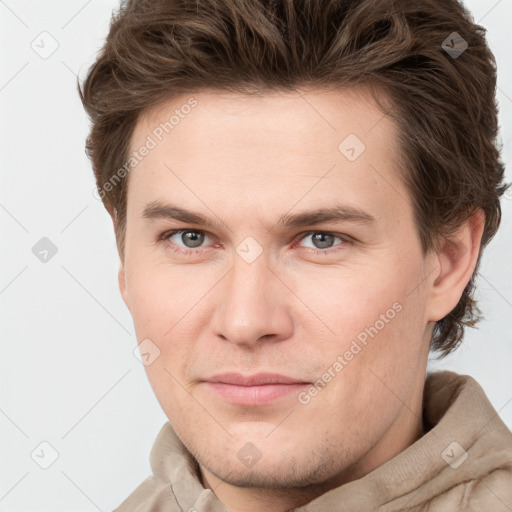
x,y
455,262
121,278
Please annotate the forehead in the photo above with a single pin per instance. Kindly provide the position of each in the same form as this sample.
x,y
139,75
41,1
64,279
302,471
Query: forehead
x,y
240,147
316,118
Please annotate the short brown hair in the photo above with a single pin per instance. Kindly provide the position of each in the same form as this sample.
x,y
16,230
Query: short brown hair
x,y
443,103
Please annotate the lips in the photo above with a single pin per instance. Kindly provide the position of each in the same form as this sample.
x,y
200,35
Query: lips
x,y
258,379
258,389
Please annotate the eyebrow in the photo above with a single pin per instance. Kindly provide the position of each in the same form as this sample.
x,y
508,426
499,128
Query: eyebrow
x,y
340,213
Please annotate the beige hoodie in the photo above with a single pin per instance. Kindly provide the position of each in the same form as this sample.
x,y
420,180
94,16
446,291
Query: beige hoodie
x,y
462,463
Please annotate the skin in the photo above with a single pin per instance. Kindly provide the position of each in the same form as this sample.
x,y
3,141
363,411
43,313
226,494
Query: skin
x,y
245,161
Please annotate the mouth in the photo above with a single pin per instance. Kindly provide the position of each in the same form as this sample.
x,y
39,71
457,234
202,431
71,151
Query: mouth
x,y
256,390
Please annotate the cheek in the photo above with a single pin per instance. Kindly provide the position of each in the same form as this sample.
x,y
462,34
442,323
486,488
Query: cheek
x,y
378,326
159,312
354,304
158,296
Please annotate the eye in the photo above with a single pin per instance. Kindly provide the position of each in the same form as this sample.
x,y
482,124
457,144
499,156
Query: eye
x,y
320,241
186,240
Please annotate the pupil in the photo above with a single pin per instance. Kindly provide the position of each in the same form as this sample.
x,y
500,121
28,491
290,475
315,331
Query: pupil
x,y
193,237
323,240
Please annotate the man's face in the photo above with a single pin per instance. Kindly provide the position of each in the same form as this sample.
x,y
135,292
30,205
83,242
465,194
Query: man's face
x,y
336,307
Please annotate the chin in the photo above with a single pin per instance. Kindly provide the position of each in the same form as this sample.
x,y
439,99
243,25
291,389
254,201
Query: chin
x,y
277,469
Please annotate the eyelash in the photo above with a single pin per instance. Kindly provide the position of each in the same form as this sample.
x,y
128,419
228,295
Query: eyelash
x,y
345,239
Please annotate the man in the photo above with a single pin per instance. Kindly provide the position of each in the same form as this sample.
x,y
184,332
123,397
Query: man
x,y
301,191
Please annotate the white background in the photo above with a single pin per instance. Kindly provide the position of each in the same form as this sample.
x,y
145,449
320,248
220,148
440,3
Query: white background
x,y
67,371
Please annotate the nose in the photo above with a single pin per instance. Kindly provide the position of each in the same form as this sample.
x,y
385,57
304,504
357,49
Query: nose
x,y
252,305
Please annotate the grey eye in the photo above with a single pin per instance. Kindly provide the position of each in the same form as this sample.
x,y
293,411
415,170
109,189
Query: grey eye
x,y
188,239
321,240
